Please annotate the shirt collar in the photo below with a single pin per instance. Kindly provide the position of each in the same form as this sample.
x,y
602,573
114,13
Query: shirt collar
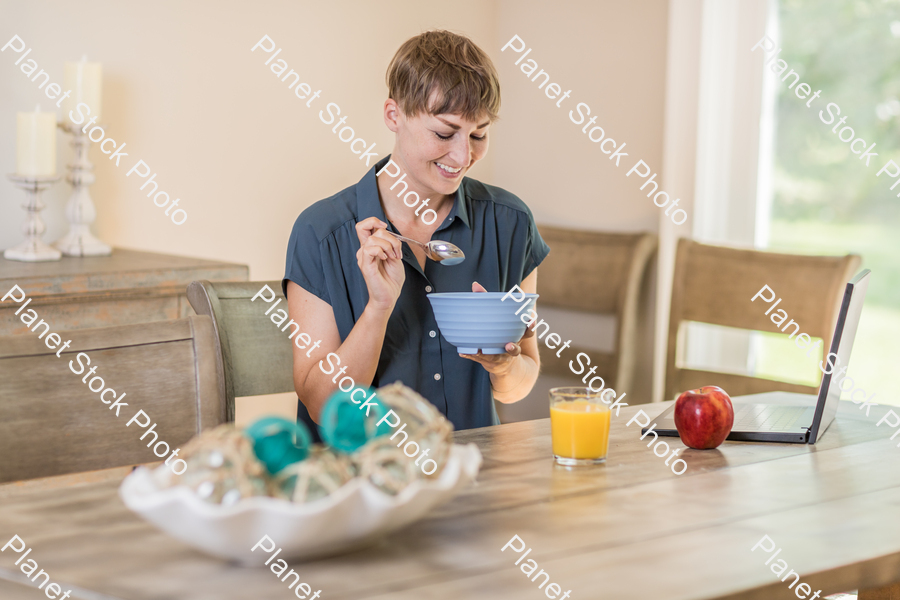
x,y
369,205
459,207
367,202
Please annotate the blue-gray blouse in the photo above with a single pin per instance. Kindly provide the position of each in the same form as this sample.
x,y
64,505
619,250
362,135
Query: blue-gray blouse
x,y
494,229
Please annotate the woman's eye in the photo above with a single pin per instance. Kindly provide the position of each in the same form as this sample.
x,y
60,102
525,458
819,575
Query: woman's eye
x,y
447,137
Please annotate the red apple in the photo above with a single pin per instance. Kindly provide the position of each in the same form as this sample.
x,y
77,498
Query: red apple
x,y
704,417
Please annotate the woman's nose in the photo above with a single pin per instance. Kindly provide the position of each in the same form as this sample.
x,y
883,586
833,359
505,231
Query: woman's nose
x,y
461,152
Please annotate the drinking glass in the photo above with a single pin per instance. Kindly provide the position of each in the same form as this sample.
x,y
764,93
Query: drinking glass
x,y
579,426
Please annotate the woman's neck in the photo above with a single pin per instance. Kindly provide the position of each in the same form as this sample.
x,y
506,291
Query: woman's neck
x,y
404,217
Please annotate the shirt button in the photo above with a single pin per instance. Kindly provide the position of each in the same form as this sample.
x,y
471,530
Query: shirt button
x,y
432,333
427,288
437,376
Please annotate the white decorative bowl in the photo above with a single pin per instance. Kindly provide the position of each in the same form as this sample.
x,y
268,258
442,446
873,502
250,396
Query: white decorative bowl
x,y
356,514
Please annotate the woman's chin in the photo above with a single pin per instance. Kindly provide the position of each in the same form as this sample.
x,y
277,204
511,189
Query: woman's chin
x,y
449,189
446,187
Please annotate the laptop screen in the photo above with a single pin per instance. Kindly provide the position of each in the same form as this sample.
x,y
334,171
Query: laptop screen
x,y
839,356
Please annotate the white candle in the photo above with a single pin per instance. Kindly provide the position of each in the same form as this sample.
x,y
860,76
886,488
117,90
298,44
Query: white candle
x,y
85,79
36,144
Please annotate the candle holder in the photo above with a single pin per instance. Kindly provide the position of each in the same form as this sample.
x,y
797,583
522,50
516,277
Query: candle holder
x,y
80,212
33,249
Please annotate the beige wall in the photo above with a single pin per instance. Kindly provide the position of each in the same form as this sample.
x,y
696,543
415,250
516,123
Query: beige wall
x,y
183,90
612,55
245,156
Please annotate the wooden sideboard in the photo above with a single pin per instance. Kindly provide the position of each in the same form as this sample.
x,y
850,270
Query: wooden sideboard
x,y
127,287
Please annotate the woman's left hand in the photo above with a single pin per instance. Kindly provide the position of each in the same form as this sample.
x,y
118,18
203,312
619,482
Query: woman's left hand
x,y
499,364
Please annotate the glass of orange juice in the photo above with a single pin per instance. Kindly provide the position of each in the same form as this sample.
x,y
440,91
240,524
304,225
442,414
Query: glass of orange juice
x,y
579,426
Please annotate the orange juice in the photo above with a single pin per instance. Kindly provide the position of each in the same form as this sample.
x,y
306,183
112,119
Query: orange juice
x,y
579,429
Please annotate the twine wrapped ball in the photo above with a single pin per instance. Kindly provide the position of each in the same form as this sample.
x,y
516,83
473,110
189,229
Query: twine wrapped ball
x,y
274,457
382,460
221,467
320,475
385,466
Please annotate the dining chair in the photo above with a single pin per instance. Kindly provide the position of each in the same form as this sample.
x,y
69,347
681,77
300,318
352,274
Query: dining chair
x,y
54,420
254,356
715,284
598,273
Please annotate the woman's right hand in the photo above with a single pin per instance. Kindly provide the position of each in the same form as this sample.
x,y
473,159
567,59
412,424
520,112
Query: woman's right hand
x,y
380,258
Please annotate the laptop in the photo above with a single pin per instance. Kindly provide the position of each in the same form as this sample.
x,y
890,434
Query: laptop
x,y
787,416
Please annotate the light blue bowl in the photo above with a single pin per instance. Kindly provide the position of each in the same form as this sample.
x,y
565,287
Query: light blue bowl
x,y
474,321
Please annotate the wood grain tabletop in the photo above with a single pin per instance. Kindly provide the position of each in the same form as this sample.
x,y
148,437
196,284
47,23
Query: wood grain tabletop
x,y
628,529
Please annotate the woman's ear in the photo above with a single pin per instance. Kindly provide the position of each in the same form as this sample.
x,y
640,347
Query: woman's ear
x,y
392,115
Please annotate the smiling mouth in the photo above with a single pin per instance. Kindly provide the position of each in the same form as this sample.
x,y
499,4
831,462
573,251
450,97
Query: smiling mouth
x,y
447,169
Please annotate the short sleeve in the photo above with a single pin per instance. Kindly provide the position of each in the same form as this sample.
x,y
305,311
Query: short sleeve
x,y
536,249
304,262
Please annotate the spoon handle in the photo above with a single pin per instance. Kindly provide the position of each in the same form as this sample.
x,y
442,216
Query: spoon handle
x,y
406,239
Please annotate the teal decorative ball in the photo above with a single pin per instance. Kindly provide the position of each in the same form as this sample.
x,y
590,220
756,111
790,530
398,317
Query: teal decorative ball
x,y
278,442
344,425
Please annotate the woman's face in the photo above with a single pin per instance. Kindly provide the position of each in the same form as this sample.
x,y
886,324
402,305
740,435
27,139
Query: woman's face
x,y
436,151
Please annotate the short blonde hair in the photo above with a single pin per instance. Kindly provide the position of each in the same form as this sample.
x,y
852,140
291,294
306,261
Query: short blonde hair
x,y
440,72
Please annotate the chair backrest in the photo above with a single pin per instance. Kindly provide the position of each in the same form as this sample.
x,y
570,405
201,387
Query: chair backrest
x,y
597,273
255,356
714,284
52,423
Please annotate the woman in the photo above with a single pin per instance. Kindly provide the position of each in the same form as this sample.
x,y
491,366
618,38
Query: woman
x,y
362,292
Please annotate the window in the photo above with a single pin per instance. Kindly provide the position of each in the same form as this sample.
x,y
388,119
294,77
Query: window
x,y
824,200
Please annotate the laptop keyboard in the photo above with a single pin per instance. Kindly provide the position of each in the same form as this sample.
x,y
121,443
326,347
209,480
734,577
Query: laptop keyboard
x,y
769,417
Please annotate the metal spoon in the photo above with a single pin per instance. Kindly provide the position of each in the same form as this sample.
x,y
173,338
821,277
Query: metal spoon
x,y
439,251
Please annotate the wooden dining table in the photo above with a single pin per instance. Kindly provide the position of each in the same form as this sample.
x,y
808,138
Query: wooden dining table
x,y
627,529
